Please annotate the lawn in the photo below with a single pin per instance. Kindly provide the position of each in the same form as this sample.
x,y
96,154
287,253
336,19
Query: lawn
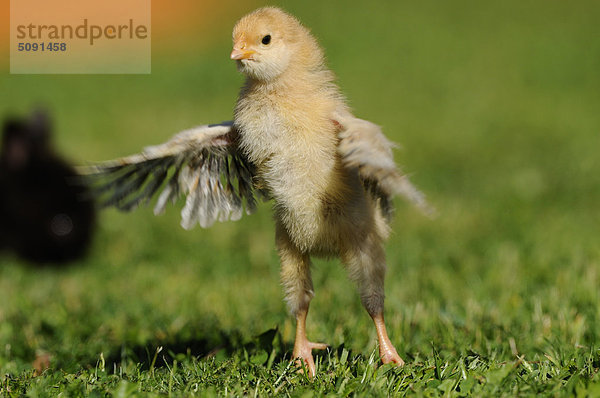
x,y
497,108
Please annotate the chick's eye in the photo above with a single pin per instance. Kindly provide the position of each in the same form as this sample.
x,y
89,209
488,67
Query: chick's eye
x,y
266,40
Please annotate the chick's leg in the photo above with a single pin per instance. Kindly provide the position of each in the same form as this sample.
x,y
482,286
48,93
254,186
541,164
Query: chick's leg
x,y
302,347
366,265
387,351
297,283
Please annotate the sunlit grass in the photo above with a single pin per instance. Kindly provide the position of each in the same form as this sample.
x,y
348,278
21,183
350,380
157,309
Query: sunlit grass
x,y
496,107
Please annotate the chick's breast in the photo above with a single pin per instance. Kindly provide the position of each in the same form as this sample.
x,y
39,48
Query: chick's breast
x,y
293,142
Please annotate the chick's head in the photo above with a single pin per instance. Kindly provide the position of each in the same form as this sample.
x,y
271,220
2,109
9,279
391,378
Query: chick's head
x,y
269,42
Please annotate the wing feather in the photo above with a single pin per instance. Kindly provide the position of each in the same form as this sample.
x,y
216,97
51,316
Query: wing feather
x,y
363,146
202,163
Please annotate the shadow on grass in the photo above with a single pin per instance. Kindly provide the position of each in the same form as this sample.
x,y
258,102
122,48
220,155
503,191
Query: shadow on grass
x,y
268,348
160,353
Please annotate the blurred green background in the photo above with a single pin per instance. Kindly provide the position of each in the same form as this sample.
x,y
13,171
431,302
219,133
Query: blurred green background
x,y
497,108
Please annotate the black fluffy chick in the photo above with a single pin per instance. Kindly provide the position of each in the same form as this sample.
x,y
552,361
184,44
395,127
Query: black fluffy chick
x,y
46,216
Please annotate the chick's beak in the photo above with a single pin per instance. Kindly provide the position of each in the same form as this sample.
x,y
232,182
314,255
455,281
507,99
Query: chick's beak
x,y
240,51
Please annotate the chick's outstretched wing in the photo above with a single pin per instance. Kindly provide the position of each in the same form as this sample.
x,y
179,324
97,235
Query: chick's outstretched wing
x,y
202,163
363,146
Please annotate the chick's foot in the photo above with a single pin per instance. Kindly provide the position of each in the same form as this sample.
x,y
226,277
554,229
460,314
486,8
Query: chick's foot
x,y
303,352
388,354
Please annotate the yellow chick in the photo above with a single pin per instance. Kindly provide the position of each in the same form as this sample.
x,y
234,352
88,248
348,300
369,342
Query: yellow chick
x,y
330,175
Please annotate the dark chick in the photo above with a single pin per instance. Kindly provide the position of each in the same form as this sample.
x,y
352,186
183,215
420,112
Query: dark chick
x,y
45,215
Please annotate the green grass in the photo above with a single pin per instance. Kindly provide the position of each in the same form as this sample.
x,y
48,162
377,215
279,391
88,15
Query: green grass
x,y
496,106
